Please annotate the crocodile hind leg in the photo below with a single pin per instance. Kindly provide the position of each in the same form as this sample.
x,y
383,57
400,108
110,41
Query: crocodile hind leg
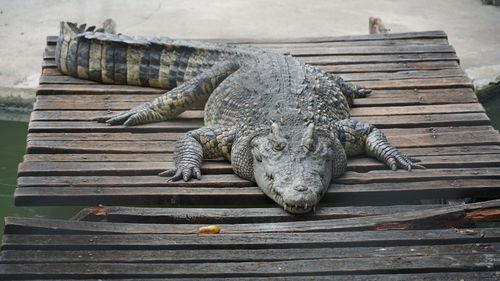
x,y
174,102
358,138
207,142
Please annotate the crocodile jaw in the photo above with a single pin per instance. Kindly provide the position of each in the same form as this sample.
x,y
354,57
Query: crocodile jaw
x,y
298,192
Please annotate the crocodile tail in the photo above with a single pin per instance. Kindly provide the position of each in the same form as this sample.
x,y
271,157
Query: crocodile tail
x,y
120,59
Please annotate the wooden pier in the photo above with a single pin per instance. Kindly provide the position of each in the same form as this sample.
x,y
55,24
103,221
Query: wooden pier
x,y
374,224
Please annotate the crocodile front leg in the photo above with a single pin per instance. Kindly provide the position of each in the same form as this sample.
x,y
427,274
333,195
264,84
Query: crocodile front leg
x,y
176,101
207,142
350,91
358,138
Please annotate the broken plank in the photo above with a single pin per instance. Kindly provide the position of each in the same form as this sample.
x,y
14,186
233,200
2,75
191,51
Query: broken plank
x,y
415,219
232,215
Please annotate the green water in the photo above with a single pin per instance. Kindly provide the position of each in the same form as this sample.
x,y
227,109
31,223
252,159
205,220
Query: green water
x,y
492,108
12,146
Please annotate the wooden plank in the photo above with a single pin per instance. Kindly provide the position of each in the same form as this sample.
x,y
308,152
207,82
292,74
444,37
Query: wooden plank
x,y
355,112
364,50
215,167
112,190
232,215
372,43
427,174
453,151
264,269
375,59
51,40
415,74
134,146
380,81
378,98
423,83
239,255
385,67
456,216
276,240
162,136
420,109
184,125
442,276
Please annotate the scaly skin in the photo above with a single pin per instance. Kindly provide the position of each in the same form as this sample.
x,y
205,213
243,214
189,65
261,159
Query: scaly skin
x,y
282,124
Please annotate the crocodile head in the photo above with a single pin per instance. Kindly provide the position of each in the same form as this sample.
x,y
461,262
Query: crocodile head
x,y
295,166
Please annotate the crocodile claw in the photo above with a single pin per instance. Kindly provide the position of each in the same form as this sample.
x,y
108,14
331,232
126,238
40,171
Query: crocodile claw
x,y
399,160
362,92
186,173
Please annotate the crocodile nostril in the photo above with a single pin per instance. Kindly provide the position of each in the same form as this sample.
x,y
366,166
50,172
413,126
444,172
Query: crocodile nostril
x,y
300,187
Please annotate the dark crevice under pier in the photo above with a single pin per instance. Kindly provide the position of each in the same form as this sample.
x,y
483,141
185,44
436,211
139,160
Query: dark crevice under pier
x,y
374,224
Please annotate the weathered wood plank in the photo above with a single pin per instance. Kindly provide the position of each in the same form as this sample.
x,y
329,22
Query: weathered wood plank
x,y
377,98
375,59
239,255
454,151
418,109
396,75
382,81
427,174
472,262
276,240
184,125
366,43
442,276
135,146
232,215
125,102
385,67
415,219
112,190
78,112
51,40
148,177
219,167
162,136
364,50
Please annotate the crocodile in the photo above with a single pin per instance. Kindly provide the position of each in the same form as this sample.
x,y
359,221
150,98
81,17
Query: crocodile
x,y
282,124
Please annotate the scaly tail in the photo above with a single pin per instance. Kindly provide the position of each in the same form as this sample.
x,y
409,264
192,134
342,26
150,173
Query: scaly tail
x,y
119,59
